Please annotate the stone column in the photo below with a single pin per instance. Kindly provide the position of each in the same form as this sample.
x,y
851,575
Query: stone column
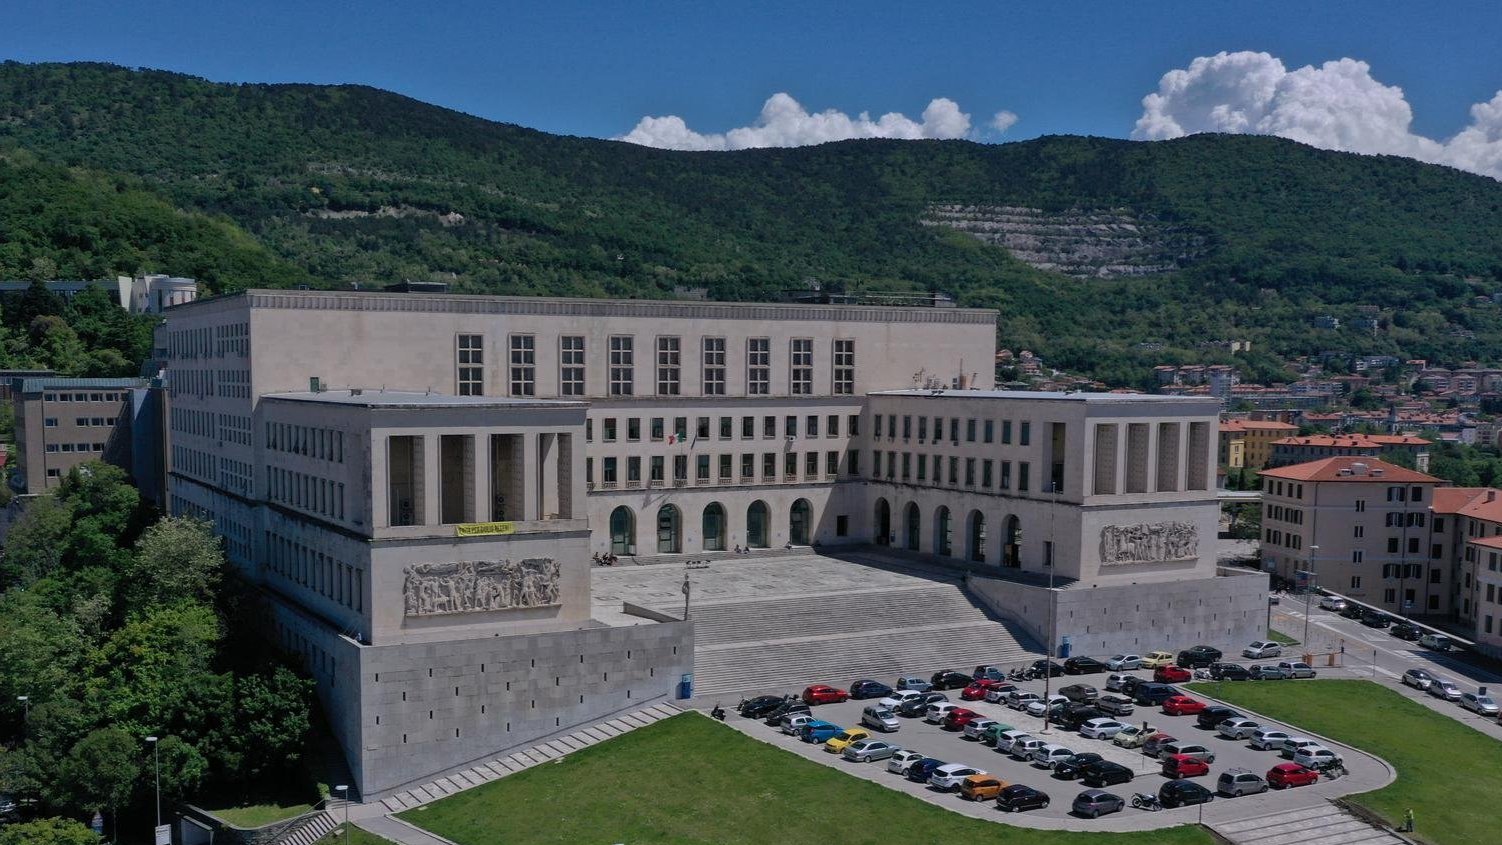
x,y
479,476
429,494
531,459
547,461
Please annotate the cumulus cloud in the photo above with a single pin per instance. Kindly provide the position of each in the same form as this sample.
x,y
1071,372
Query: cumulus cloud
x,y
1336,106
1003,120
784,122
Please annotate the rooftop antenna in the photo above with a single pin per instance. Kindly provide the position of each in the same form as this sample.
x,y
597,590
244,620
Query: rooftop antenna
x,y
918,377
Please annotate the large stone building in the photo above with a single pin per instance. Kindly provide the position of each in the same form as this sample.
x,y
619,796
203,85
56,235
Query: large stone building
x,y
64,422
148,294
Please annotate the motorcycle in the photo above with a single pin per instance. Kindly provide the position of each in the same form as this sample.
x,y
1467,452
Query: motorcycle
x,y
717,713
1144,801
1017,675
1331,771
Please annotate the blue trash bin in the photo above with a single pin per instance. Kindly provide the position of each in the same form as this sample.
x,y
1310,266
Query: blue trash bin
x,y
1064,646
686,686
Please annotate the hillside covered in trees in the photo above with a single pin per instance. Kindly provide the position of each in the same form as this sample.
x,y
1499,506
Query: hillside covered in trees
x,y
1203,238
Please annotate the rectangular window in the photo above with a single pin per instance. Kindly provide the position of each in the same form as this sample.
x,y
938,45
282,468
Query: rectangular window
x,y
622,365
853,428
748,466
470,358
985,474
954,470
680,469
790,464
876,463
669,360
1022,474
831,464
969,431
657,428
1389,595
801,375
988,431
1355,582
726,464
832,426
954,429
907,466
853,462
714,366
768,466
571,365
841,525
969,472
844,367
768,427
922,429
609,426
633,470
811,465
811,426
727,428
1360,531
790,427
701,468
1006,475
876,426
702,429
922,467
1006,432
748,428
758,366
609,469
1025,435
633,428
659,469
523,365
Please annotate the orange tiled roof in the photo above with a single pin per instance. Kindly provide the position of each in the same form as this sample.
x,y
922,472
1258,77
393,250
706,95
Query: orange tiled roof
x,y
1454,499
1489,542
1353,440
1480,508
1339,469
1256,425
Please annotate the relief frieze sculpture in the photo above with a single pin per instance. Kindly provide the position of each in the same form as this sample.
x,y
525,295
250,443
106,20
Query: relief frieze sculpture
x,y
431,589
1161,542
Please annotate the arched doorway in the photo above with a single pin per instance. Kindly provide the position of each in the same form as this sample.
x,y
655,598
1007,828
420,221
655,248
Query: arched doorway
x,y
758,525
669,530
942,532
977,550
1011,548
800,518
882,524
622,531
714,527
913,526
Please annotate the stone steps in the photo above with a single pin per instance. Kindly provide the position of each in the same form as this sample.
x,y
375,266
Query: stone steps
x,y
1323,825
313,829
839,613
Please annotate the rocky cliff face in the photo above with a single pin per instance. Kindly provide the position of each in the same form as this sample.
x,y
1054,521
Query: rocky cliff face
x,y
1084,243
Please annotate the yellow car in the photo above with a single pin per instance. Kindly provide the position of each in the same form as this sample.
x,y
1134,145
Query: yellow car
x,y
1154,659
840,741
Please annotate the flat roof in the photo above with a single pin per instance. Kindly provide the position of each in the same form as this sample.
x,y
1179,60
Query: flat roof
x,y
1055,396
376,398
36,385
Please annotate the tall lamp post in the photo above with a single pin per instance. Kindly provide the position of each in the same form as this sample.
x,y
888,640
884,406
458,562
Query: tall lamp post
x,y
343,790
156,758
1053,599
1309,592
25,712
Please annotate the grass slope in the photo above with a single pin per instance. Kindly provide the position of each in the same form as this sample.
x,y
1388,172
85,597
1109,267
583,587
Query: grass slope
x,y
1448,773
691,780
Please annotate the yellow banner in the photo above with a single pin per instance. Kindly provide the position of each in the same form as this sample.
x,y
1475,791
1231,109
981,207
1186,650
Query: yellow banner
x,y
482,529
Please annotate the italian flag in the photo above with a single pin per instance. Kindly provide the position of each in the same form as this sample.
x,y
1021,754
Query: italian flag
x,y
675,438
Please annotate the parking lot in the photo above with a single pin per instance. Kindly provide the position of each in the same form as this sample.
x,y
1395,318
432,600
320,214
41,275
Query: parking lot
x,y
931,740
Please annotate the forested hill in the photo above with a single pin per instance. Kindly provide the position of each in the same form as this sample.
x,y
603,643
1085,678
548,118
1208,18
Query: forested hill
x,y
1087,246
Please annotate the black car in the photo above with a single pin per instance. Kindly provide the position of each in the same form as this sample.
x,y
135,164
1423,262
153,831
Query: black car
x,y
1074,715
1376,620
1069,769
1105,773
921,770
869,689
1352,611
1080,693
792,705
1053,669
1199,656
1229,672
918,705
950,679
1084,666
1129,686
1406,631
1183,793
760,706
1152,694
1018,797
1212,716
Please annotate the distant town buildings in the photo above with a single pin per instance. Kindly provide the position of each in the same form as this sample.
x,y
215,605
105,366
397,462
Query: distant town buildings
x,y
149,294
1302,449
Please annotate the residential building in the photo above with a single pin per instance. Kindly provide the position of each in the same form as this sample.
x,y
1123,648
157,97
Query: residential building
x,y
63,422
1302,449
1256,438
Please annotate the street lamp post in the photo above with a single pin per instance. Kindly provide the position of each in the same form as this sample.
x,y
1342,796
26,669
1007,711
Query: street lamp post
x,y
1053,599
343,790
1308,593
156,758
25,712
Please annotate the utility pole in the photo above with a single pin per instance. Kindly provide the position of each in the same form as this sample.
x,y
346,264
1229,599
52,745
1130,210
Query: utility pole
x,y
156,756
1053,599
1309,592
343,790
685,596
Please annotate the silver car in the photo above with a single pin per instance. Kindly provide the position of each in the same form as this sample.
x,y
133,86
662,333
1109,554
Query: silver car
x,y
1442,688
1296,669
1123,662
866,750
881,719
1477,703
1262,649
1418,679
1116,705
1268,739
1188,749
1116,681
1051,755
1018,699
1024,748
1237,728
975,727
914,683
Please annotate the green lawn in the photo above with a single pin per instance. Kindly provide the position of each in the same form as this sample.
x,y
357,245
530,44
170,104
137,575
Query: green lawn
x,y
1448,772
689,779
356,837
1281,638
255,815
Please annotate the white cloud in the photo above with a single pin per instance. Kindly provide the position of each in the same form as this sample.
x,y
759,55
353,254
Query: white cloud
x,y
784,122
1003,120
1336,106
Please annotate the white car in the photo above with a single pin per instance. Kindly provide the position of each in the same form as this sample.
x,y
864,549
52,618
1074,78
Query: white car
x,y
975,727
1007,738
1442,688
1018,699
1438,642
1116,681
1332,603
1023,749
998,696
902,761
1262,649
1476,703
1116,705
1316,757
938,710
949,775
1122,662
1037,707
1049,755
1294,744
1237,728
1132,736
1296,669
898,697
1268,739
792,724
1101,729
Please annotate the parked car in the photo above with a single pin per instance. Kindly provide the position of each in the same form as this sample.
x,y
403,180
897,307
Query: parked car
x,y
895,700
1081,693
1445,689
1478,703
1183,793
1123,662
1265,672
1297,669
1182,705
1130,684
979,689
1267,739
1132,736
990,733
1294,744
1198,656
1006,739
921,770
760,706
1153,694
867,750
999,692
1051,755
1317,757
1189,749
914,683
869,689
1237,728
1332,603
1040,666
1023,748
918,705
818,731
1376,619
1116,705
1285,775
950,679
1438,642
1105,773
1154,659
1101,728
1172,674
1070,769
1213,715
792,724
1419,679
1153,745
1115,681
1094,803
1262,649
989,673
949,776
1229,672
1184,766
1084,666
1018,699
1017,797
880,718
1075,715
787,708
936,712
1406,631
982,787
1352,611
1235,783
824,694
900,761
957,718
1038,707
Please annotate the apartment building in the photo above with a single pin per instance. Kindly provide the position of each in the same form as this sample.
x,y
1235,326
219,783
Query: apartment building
x,y
1298,450
64,422
1252,439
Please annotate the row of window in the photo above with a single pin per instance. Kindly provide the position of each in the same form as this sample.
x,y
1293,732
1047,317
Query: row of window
x,y
1275,537
333,579
234,428
720,467
667,366
986,428
194,462
188,421
186,382
1278,513
234,384
922,468
232,339
83,422
74,447
657,428
108,396
325,444
306,492
235,476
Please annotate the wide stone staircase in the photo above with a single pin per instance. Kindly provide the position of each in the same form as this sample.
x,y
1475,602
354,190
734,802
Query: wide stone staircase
x,y
1326,824
783,643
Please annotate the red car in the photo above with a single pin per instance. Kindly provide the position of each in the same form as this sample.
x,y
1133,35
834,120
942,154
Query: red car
x,y
1171,674
978,689
1184,766
1182,705
822,694
958,718
1285,775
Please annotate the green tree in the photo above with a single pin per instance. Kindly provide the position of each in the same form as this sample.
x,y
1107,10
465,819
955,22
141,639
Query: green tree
x,y
183,768
102,768
176,559
36,544
50,831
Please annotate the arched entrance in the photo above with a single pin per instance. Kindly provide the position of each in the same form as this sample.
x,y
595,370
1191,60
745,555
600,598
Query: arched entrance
x,y
942,532
800,518
1011,548
714,527
977,550
758,525
669,530
882,524
622,531
913,525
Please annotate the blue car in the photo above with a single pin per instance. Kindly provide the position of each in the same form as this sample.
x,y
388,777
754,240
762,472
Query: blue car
x,y
920,770
869,689
819,731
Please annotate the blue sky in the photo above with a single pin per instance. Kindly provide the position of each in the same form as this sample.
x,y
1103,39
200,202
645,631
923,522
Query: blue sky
x,y
597,68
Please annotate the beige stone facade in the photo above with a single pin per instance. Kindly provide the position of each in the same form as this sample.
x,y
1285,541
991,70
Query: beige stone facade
x,y
62,422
